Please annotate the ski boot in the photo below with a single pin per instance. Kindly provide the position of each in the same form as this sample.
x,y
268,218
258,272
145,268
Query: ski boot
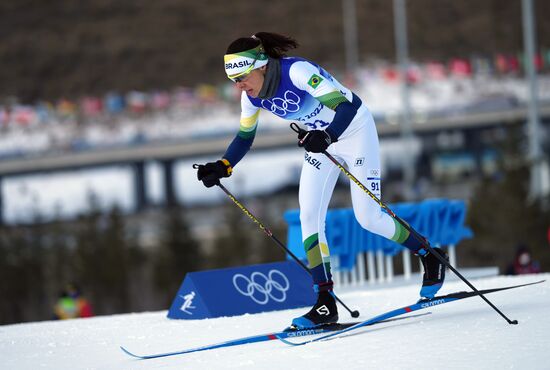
x,y
324,312
434,273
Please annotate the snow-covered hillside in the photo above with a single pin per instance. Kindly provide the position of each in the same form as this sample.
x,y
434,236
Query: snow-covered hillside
x,y
460,335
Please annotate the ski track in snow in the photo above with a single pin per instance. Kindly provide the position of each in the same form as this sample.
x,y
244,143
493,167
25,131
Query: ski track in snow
x,y
460,335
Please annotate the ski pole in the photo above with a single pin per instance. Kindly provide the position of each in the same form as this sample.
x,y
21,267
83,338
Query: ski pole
x,y
279,243
417,235
276,240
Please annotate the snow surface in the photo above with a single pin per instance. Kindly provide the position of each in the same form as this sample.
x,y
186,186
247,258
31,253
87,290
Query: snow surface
x,y
460,335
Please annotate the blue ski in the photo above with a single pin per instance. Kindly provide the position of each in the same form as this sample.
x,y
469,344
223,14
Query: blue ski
x,y
422,304
247,340
257,338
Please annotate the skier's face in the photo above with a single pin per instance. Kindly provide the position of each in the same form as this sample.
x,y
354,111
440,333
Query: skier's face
x,y
253,82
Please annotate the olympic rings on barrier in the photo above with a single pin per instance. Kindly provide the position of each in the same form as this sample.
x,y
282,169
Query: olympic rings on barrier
x,y
261,288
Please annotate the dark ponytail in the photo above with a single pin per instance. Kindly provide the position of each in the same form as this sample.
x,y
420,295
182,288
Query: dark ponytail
x,y
275,45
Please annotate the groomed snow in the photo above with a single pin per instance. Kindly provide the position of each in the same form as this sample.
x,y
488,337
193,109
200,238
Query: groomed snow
x,y
460,335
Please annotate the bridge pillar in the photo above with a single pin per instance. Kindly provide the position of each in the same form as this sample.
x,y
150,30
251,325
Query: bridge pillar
x,y
140,187
475,145
169,192
1,204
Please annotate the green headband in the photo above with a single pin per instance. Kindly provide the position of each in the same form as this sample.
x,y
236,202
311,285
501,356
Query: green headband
x,y
242,63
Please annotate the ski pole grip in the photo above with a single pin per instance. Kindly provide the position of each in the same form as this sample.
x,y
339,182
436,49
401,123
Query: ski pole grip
x,y
302,134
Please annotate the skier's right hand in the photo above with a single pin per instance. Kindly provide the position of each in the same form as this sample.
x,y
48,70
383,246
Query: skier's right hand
x,y
211,172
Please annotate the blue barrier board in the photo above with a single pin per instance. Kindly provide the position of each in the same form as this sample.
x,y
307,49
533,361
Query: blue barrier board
x,y
240,290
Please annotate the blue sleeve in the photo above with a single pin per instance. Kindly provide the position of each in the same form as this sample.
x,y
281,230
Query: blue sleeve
x,y
345,112
238,148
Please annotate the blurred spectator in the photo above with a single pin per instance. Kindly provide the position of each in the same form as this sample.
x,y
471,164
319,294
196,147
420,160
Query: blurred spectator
x,y
44,111
184,97
207,93
436,70
481,66
539,62
71,304
24,115
523,262
66,109
160,100
137,101
390,74
413,75
460,67
91,106
502,63
513,64
114,103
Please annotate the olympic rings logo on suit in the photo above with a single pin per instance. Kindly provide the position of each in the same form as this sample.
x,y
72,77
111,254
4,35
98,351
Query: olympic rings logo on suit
x,y
261,288
280,106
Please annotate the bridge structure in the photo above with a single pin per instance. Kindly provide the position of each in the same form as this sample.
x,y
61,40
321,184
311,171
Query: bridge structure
x,y
167,153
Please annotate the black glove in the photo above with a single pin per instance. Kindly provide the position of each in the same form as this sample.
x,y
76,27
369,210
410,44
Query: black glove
x,y
316,141
211,173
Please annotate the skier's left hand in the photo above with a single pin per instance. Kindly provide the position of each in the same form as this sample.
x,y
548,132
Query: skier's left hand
x,y
316,141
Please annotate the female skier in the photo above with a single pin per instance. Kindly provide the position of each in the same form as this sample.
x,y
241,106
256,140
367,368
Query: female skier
x,y
337,121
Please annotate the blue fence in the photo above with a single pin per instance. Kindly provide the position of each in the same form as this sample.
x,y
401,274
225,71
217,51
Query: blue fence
x,y
440,220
